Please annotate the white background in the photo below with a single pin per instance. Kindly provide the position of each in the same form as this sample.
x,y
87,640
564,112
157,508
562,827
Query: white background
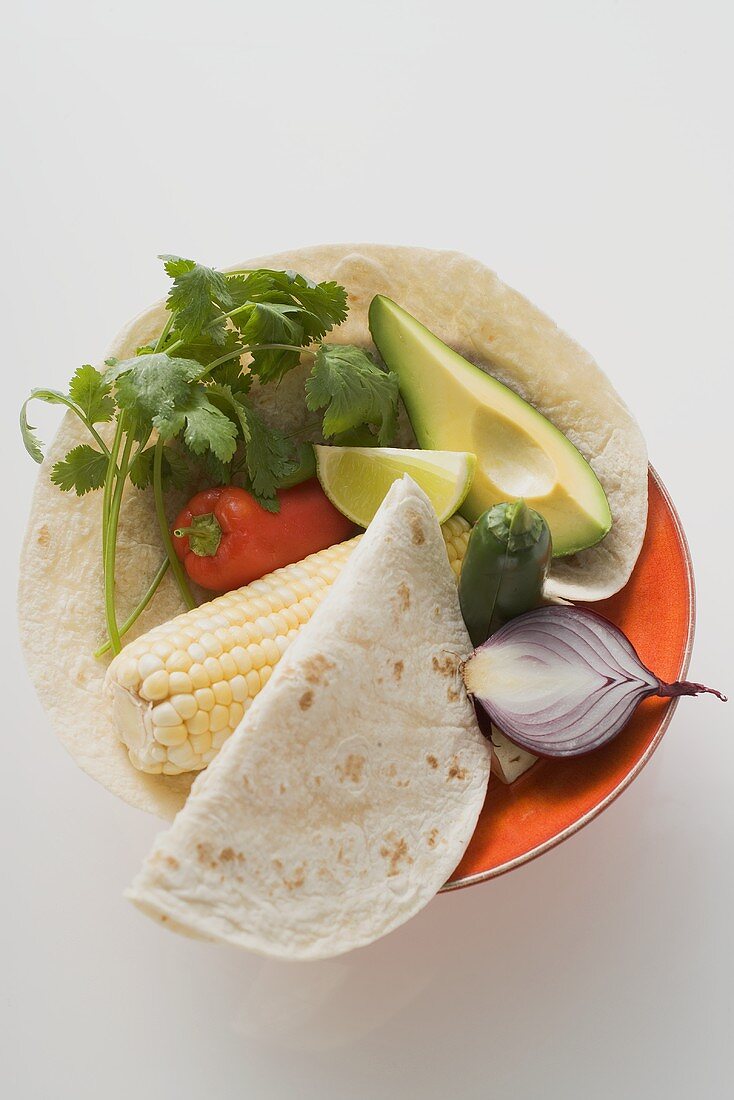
x,y
584,151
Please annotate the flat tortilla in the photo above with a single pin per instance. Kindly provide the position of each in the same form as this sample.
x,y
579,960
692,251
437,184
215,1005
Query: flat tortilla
x,y
351,788
467,306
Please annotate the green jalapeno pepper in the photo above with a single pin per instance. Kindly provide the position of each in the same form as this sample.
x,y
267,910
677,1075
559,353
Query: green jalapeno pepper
x,y
505,566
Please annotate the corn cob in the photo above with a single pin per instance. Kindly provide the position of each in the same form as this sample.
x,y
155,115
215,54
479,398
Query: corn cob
x,y
179,691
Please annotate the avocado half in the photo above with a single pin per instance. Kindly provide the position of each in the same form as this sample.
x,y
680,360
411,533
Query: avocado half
x,y
454,405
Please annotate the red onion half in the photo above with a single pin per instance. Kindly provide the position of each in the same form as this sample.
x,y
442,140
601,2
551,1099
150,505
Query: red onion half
x,y
561,681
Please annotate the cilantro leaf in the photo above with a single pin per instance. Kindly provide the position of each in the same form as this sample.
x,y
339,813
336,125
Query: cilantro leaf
x,y
249,287
174,468
198,298
52,397
231,374
30,440
268,458
203,349
269,323
272,323
83,469
214,471
153,385
204,426
90,390
324,304
347,382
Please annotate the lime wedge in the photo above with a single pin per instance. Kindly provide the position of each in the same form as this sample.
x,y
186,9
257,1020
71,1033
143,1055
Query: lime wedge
x,y
356,479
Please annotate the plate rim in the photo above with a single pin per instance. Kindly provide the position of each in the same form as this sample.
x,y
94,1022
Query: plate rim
x,y
570,830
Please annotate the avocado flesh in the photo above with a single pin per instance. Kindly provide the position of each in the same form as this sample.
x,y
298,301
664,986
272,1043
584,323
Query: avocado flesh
x,y
454,405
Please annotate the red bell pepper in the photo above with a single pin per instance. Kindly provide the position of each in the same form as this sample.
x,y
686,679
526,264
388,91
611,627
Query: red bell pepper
x,y
226,539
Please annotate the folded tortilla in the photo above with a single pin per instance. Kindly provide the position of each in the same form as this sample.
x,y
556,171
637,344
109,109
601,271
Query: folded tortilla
x,y
351,788
467,306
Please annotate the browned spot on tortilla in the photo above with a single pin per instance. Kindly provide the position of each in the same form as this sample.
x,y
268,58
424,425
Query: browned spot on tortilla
x,y
397,669
245,782
172,863
298,879
404,596
455,770
306,700
277,864
351,769
43,537
431,839
417,534
452,694
317,780
392,771
403,783
164,918
282,788
447,664
314,668
432,760
227,855
203,852
395,851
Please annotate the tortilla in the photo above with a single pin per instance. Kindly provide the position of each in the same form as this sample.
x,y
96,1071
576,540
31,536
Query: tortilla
x,y
467,306
351,788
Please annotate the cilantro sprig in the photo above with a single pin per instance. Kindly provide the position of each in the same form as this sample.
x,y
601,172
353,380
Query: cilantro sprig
x,y
182,411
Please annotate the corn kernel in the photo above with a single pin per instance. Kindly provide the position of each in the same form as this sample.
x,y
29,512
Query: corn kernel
x,y
182,755
184,705
253,682
236,714
213,669
170,735
148,664
238,687
211,644
165,715
201,742
198,676
179,661
155,686
229,665
220,737
198,724
205,698
242,659
257,655
222,692
180,683
219,718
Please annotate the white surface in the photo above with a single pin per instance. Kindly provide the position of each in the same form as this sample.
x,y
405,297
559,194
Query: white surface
x,y
584,151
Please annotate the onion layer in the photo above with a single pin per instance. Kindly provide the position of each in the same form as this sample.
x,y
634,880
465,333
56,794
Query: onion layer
x,y
561,681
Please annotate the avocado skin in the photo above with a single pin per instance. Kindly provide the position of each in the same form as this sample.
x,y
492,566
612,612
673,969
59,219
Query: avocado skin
x,y
454,405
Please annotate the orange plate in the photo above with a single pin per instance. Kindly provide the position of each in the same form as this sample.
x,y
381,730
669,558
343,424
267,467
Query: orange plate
x,y
656,610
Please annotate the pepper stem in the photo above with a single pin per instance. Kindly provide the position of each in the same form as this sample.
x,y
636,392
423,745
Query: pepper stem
x,y
204,535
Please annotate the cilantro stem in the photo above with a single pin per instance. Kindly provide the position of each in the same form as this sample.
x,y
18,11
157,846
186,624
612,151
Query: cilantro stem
x,y
164,334
111,539
176,566
109,482
138,611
